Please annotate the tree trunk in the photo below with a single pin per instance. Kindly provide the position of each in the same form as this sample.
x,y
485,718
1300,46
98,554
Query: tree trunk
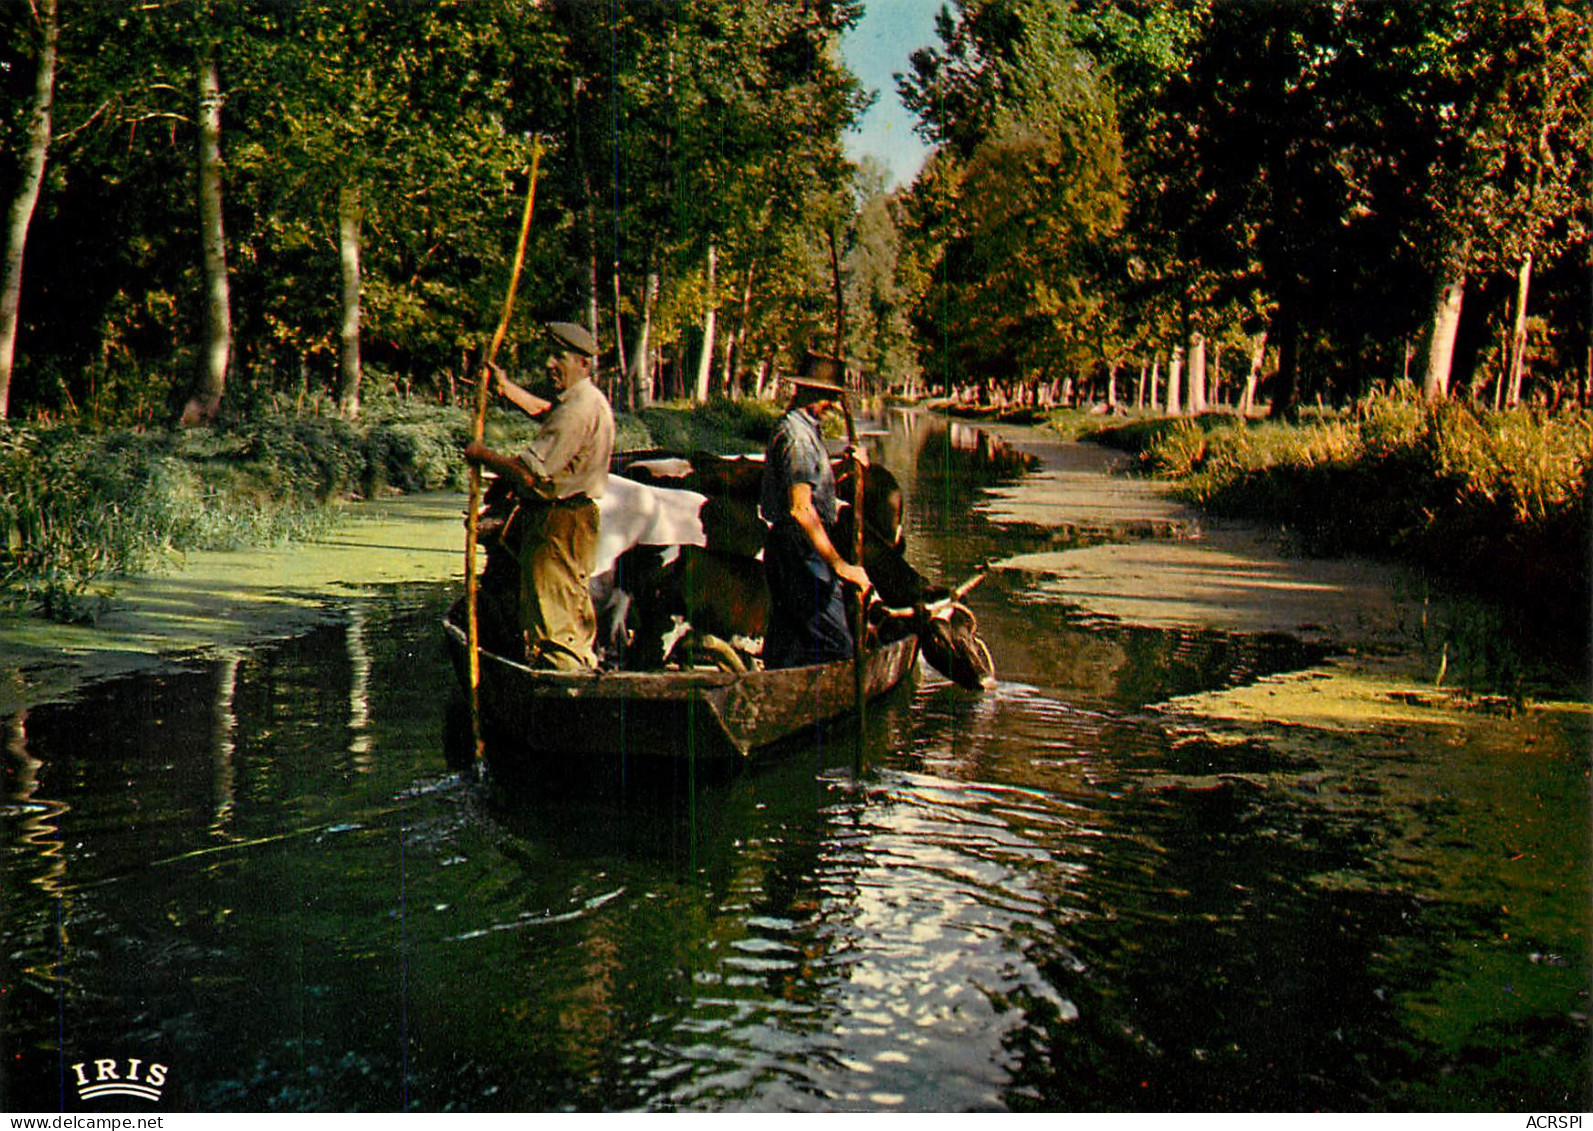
x,y
1139,386
1214,380
735,360
705,362
27,197
1175,374
619,336
641,359
1258,355
1111,385
1447,296
211,380
1197,372
1286,382
348,244
840,295
1587,352
1155,382
1518,334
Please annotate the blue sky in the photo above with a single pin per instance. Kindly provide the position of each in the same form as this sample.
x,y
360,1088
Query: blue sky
x,y
876,49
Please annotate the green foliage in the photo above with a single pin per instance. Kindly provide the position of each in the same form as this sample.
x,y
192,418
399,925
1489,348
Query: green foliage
x,y
667,129
723,426
79,508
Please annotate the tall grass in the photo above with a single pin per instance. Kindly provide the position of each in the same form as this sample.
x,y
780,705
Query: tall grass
x,y
1495,503
1445,484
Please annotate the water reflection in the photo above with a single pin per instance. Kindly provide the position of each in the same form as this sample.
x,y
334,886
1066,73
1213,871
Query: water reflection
x,y
39,833
222,742
259,871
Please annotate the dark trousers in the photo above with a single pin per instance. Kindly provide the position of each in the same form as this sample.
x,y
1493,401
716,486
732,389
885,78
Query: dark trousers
x,y
807,603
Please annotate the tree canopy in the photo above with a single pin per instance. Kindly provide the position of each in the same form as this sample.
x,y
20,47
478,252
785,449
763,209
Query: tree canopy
x,y
224,204
1330,174
372,161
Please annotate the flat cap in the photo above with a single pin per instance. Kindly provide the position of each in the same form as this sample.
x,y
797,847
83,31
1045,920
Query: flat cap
x,y
578,338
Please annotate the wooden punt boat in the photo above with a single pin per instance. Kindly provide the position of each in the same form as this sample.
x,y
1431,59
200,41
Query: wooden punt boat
x,y
698,713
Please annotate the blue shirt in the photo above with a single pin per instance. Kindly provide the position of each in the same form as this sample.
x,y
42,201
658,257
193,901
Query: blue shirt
x,y
796,454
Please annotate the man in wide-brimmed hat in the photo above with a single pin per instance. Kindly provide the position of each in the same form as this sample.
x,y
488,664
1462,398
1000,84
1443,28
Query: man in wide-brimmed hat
x,y
558,479
807,618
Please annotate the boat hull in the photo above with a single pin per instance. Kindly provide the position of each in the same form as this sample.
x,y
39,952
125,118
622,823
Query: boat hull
x,y
695,714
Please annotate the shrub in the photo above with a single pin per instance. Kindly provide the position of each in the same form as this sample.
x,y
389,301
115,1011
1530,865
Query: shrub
x,y
1178,452
723,426
79,507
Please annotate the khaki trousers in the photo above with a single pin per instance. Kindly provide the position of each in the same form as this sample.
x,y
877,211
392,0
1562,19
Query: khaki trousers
x,y
558,548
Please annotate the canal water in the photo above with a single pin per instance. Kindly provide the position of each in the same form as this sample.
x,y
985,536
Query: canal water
x,y
267,874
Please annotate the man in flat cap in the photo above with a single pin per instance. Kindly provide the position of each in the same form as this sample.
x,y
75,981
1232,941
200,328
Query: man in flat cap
x,y
807,616
558,480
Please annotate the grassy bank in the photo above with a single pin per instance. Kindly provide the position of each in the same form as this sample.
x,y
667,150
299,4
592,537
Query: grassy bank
x,y
79,508
1493,507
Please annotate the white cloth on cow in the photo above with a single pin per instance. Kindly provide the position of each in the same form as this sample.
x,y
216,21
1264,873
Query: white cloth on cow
x,y
639,514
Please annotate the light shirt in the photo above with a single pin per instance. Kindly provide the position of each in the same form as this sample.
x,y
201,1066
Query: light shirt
x,y
570,456
796,454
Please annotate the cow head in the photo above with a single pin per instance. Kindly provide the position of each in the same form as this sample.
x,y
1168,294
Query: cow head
x,y
948,636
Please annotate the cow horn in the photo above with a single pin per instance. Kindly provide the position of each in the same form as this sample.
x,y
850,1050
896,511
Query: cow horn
x,y
968,586
955,596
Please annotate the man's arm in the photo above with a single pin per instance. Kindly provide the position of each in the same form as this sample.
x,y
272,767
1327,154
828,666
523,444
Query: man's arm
x,y
510,468
805,516
523,399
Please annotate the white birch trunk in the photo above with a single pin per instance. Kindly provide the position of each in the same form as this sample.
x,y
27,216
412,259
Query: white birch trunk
x,y
348,246
706,361
217,346
27,198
